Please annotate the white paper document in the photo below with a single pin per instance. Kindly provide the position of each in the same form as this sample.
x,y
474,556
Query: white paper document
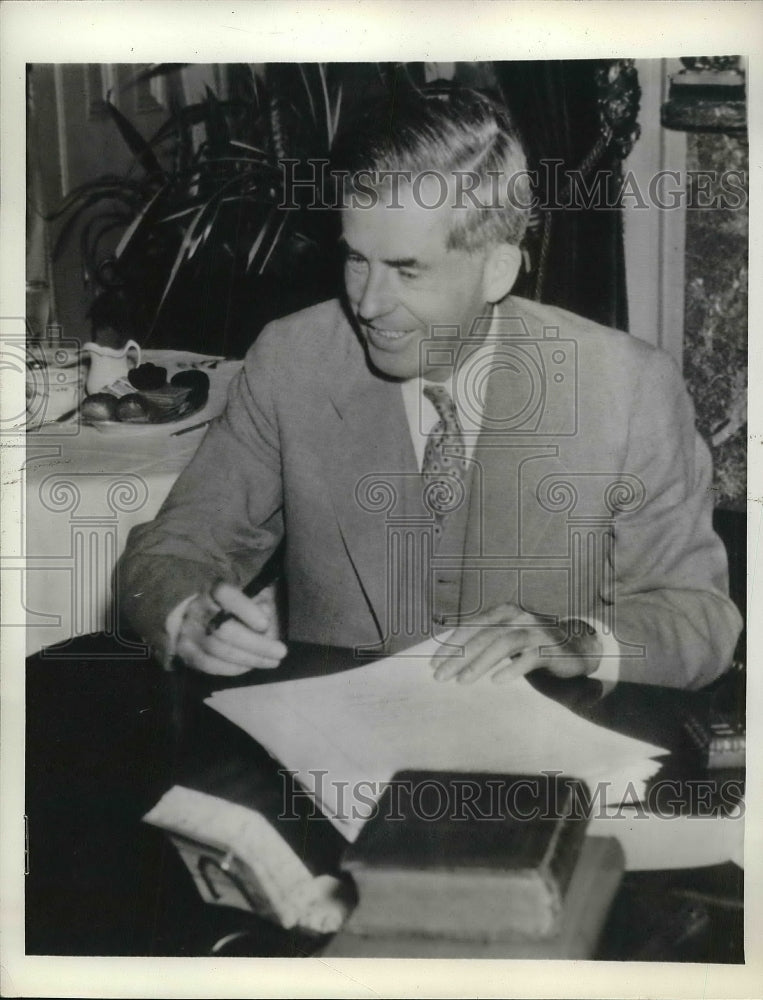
x,y
346,734
656,842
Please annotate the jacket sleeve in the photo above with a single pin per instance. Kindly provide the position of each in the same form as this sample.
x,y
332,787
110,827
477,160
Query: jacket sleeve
x,y
222,518
668,588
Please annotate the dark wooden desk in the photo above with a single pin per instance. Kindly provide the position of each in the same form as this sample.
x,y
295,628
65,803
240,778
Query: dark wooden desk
x,y
105,739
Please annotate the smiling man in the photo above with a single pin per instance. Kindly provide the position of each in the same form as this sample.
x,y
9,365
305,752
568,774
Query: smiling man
x,y
437,453
404,279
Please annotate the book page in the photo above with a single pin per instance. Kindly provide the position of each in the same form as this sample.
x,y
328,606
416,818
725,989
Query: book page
x,y
345,735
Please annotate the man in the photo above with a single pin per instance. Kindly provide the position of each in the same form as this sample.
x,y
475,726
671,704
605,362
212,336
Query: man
x,y
438,453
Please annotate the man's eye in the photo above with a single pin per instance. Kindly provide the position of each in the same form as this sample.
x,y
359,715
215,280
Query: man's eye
x,y
355,262
408,273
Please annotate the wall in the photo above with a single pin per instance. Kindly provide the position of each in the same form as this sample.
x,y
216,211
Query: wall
x,y
715,334
76,141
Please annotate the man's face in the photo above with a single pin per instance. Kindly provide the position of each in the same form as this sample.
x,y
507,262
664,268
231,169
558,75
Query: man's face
x,y
402,280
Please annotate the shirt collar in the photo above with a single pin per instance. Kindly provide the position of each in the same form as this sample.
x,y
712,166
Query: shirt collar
x,y
414,399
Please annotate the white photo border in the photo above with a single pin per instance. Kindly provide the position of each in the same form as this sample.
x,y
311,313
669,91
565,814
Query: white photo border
x,y
357,30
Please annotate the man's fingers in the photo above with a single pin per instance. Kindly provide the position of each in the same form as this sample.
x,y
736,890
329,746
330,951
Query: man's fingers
x,y
484,663
485,649
509,645
265,597
239,644
255,655
195,657
232,600
531,659
239,636
470,644
480,653
470,640
510,669
217,658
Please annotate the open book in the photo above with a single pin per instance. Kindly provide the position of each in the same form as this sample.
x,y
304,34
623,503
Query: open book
x,y
345,735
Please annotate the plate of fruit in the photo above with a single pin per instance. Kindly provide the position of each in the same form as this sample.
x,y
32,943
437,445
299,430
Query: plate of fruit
x,y
146,398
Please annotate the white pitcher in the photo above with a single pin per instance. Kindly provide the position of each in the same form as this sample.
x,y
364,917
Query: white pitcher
x,y
107,364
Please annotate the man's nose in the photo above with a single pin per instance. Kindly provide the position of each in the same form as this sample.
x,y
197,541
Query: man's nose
x,y
377,298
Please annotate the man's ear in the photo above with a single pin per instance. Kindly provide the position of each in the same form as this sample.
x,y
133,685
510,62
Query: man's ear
x,y
501,269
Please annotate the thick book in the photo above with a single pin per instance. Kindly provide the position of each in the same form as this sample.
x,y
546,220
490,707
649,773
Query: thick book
x,y
587,903
477,856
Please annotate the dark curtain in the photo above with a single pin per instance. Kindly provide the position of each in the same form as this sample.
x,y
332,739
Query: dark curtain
x,y
555,105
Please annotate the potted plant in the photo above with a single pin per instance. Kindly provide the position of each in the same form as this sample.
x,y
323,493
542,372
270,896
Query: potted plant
x,y
205,255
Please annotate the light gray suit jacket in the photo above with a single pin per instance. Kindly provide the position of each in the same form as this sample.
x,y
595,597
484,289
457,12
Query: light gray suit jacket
x,y
590,496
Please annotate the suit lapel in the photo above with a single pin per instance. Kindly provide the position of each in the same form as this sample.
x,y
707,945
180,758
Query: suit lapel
x,y
371,471
505,518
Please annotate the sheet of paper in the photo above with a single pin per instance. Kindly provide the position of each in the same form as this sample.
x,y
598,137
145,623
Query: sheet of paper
x,y
345,735
656,842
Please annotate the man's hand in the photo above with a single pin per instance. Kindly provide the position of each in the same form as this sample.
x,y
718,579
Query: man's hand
x,y
510,642
243,642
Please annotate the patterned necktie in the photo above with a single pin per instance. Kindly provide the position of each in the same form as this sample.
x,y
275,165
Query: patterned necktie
x,y
445,466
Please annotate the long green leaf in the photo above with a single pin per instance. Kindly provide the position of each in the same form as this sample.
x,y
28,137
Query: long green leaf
x,y
254,248
194,245
326,101
157,69
136,143
337,109
273,243
178,215
303,75
135,225
187,239
260,97
204,236
245,145
211,211
191,238
210,164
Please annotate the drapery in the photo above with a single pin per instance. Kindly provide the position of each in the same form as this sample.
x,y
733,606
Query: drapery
x,y
556,107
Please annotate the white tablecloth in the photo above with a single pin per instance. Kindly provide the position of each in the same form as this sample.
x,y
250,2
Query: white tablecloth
x,y
86,487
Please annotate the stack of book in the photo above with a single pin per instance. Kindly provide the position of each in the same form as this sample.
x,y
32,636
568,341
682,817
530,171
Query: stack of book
x,y
480,865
